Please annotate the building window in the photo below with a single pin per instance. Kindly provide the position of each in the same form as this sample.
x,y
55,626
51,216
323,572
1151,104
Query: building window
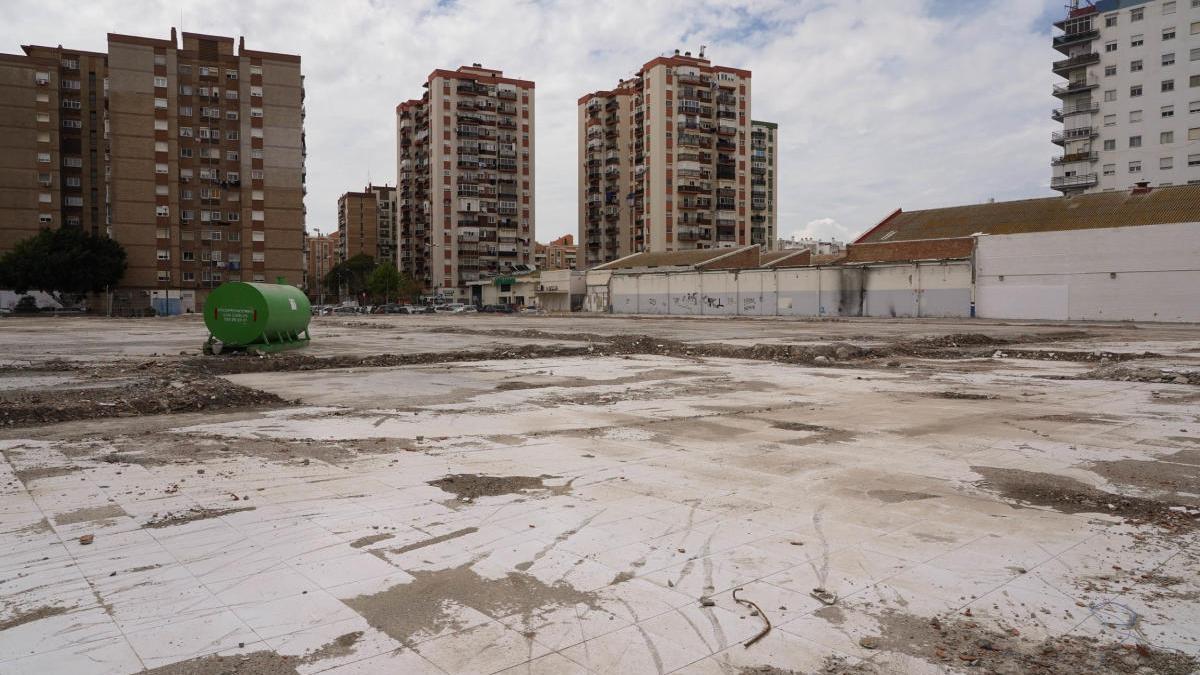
x,y
256,70
1168,85
160,81
231,115
231,155
1194,81
1110,169
257,256
1110,95
163,211
1136,40
256,112
231,74
1135,167
1110,20
1166,137
44,197
189,276
1110,120
1167,111
160,104
258,235
1135,91
1194,134
1193,160
1195,27
258,278
1110,144
1137,14
43,158
1110,46
1168,59
1194,107
161,190
1135,141
1135,66
1168,34
1166,163
1109,71
164,254
256,92
164,275
1135,116
160,168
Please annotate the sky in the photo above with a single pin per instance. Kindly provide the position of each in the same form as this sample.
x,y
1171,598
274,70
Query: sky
x,y
881,104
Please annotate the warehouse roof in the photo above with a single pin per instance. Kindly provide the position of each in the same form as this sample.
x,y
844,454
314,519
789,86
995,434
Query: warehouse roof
x,y
705,258
1139,206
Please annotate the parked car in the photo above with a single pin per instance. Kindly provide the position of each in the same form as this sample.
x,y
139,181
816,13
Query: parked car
x,y
498,309
466,309
392,308
429,309
344,311
448,308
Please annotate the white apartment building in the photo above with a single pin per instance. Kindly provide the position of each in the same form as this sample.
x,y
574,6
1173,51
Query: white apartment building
x,y
1131,104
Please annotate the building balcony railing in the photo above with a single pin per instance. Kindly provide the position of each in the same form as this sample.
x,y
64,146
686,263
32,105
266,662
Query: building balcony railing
x,y
1074,182
1075,87
1078,61
1080,108
1076,134
1075,157
1075,37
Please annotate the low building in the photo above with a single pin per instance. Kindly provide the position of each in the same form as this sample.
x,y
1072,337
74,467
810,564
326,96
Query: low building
x,y
519,289
561,290
817,246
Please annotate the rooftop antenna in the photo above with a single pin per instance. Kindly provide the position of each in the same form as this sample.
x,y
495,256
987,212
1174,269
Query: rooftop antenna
x,y
702,48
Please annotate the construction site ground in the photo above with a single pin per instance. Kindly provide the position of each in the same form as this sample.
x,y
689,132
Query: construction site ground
x,y
598,494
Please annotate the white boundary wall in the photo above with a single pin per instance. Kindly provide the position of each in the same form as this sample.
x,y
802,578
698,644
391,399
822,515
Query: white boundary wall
x,y
1144,273
927,289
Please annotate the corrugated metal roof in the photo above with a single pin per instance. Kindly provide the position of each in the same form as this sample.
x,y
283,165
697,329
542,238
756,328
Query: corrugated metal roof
x,y
1174,204
667,259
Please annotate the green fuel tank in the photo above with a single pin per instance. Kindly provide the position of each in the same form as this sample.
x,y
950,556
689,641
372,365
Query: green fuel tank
x,y
256,317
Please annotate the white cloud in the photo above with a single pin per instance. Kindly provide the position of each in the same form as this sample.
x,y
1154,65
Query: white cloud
x,y
881,103
822,228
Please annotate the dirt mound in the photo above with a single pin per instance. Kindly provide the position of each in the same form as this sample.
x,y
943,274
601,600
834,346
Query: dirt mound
x,y
150,394
1140,374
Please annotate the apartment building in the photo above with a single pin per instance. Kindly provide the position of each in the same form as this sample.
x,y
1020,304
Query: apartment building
x,y
764,179
559,254
1131,101
187,151
322,257
465,169
664,161
367,223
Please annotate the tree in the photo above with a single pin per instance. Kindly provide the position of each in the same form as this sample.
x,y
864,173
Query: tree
x,y
66,261
384,282
350,275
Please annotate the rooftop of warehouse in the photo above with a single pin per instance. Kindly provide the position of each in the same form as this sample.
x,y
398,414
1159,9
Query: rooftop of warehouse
x,y
1139,206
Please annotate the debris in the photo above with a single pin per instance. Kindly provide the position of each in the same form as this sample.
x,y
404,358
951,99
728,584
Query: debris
x,y
824,597
706,601
86,539
869,642
766,628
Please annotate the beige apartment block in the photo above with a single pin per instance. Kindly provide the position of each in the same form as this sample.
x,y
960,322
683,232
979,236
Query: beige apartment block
x,y
188,151
664,161
367,223
322,257
465,169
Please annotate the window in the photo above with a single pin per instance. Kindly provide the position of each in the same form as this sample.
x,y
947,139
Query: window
x,y
44,197
257,174
1194,107
185,153
256,70
1168,59
256,92
75,162
164,254
1166,137
1110,144
1136,40
1110,46
163,211
185,216
1110,169
1194,54
1193,160
185,111
71,103
1169,7
1195,27
1135,167
231,155
1166,162
231,115
160,81
256,112
1110,120
258,256
189,276
72,124
1167,111
1135,116
258,235
185,90
231,135
1135,141
1194,134
258,278
162,190
160,104
1137,14
233,176
164,275
43,158
1135,66
256,133
231,74
44,179
160,146
185,132
1135,91
1168,34
43,137
1168,85
1110,20
216,236
231,94
257,216
235,236
160,125
233,216
160,168
1109,71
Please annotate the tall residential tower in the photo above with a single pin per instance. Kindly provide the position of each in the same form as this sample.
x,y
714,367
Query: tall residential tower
x,y
1131,101
465,170
663,161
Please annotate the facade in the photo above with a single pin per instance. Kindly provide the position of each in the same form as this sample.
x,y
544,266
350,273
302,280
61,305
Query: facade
x,y
817,246
559,254
465,169
1129,107
188,152
664,162
764,180
322,257
30,152
367,223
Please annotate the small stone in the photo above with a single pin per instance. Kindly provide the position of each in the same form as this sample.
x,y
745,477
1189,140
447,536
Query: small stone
x,y
706,601
797,543
86,539
1180,379
869,642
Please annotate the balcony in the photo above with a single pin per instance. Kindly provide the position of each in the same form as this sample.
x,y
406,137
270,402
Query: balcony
x,y
1075,37
1075,87
1079,182
1076,134
1061,67
1075,157
1080,108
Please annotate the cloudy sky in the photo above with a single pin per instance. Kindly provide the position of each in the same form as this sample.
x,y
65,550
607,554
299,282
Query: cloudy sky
x,y
881,103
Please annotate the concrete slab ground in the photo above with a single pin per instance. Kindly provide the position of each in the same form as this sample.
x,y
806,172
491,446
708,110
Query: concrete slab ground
x,y
891,496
